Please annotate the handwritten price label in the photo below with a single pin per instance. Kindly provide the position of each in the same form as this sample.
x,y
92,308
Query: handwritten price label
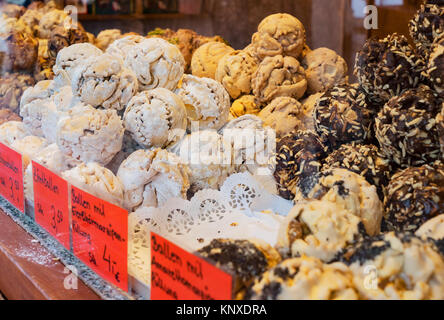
x,y
179,275
11,177
100,236
51,203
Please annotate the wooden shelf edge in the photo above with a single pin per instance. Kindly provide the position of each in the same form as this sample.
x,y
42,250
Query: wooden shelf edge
x,y
153,16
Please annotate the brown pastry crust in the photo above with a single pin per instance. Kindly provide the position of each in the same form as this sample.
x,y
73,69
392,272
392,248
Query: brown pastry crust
x,y
21,50
12,87
7,115
62,37
12,10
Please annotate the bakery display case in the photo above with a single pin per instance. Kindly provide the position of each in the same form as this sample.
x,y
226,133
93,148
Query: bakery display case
x,y
199,149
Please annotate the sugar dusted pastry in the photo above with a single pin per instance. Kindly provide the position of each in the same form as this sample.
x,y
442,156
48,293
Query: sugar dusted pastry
x,y
7,115
151,178
156,63
304,278
324,68
156,118
96,180
103,81
30,147
279,76
209,157
33,113
235,71
285,115
12,87
319,229
120,47
42,90
279,34
244,105
129,146
106,37
11,131
206,101
51,20
396,267
206,59
90,135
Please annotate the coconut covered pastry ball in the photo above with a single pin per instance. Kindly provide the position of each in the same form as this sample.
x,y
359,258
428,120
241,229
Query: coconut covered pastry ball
x,y
12,87
103,81
151,177
304,278
11,131
30,147
69,58
278,76
396,267
156,118
90,135
206,101
245,259
414,196
236,71
206,59
406,128
365,160
7,115
298,156
209,156
319,229
106,37
427,25
341,116
385,68
432,229
156,63
120,47
51,20
279,34
285,115
96,180
324,68
435,68
244,105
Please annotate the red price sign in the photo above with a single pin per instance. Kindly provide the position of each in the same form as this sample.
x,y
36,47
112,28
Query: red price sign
x,y
100,236
51,203
11,177
179,275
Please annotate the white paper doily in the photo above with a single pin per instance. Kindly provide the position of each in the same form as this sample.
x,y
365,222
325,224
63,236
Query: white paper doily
x,y
242,209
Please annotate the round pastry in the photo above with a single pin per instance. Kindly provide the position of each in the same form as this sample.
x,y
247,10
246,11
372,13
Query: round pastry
x,y
440,127
156,118
120,47
209,157
33,114
346,189
298,157
245,259
12,10
206,59
12,87
414,196
51,20
235,71
304,278
285,115
319,229
31,18
278,76
106,37
129,146
97,180
7,115
11,131
62,37
206,101
45,62
435,68
432,229
156,63
427,25
385,68
364,160
90,135
406,128
342,116
151,178
324,68
279,34
69,58
308,107
244,105
30,147
395,267
103,81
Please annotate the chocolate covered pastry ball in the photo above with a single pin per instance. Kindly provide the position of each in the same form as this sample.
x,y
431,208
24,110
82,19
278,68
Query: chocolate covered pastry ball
x,y
406,128
427,25
298,156
244,258
440,126
365,160
341,116
435,69
12,87
385,68
414,196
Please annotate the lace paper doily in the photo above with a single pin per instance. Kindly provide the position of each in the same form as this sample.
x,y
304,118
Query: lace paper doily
x,y
210,214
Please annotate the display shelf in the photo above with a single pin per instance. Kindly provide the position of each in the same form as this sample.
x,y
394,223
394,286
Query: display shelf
x,y
150,16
